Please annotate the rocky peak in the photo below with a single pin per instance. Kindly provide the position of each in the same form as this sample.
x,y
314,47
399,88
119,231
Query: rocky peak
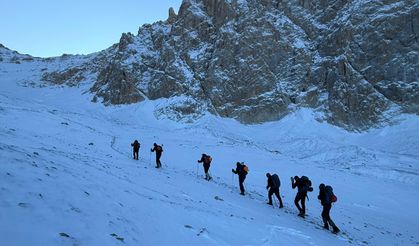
x,y
172,16
116,86
12,56
219,10
257,60
125,40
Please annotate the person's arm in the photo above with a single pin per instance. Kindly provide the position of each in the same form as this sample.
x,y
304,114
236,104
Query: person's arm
x,y
321,196
234,171
202,159
294,183
152,150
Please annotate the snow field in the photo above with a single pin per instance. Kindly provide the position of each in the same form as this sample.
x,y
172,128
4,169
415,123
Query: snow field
x,y
68,177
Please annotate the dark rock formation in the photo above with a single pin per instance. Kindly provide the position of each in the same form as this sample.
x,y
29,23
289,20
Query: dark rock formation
x,y
257,60
116,86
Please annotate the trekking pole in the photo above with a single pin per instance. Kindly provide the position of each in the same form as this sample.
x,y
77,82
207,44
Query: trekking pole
x,y
197,167
276,204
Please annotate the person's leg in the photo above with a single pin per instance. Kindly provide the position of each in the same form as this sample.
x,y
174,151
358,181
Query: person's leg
x,y
303,203
279,198
133,153
270,193
296,200
329,220
209,176
324,217
158,160
206,168
241,180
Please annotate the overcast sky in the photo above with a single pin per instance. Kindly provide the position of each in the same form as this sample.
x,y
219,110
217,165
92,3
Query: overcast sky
x,y
52,27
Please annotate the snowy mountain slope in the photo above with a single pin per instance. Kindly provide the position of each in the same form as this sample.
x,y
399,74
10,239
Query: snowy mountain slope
x,y
257,61
68,178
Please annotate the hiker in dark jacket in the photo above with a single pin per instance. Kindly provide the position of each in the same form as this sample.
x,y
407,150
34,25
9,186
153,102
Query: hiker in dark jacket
x,y
325,197
303,185
135,149
273,185
206,160
241,170
159,151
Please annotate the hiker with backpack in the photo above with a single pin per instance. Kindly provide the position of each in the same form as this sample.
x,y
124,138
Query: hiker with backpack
x,y
159,151
206,160
326,198
273,185
304,186
135,149
241,170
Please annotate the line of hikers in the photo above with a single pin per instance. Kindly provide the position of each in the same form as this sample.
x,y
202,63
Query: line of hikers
x,y
303,185
156,148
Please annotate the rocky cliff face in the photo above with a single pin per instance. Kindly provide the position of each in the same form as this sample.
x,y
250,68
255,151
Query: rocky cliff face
x,y
257,60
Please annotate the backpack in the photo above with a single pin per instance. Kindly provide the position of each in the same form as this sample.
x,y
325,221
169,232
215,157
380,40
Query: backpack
x,y
208,159
245,168
329,196
306,183
136,144
276,182
159,148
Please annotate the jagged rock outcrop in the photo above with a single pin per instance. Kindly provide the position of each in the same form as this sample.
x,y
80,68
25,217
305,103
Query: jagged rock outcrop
x,y
257,60
10,56
370,58
116,86
172,16
71,77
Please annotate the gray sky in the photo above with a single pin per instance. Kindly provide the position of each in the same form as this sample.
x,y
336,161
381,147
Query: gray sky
x,y
52,27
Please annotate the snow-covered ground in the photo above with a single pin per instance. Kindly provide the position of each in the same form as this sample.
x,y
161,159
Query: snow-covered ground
x,y
67,176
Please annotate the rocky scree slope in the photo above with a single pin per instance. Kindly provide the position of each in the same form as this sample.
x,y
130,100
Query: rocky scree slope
x,y
257,60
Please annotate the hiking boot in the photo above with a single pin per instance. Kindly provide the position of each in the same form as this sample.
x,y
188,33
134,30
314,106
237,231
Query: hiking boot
x,y
336,230
301,215
281,206
242,193
269,203
326,226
